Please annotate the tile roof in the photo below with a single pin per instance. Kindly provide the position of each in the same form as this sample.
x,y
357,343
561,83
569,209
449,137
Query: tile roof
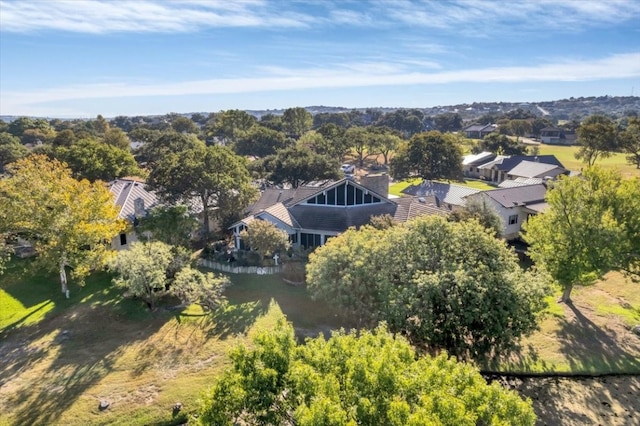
x,y
126,191
518,196
445,192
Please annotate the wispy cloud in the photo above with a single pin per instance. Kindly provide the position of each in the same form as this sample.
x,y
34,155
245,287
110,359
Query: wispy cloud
x,y
99,16
470,17
350,75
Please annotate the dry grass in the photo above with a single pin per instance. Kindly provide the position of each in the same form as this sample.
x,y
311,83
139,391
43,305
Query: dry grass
x,y
566,155
98,346
592,335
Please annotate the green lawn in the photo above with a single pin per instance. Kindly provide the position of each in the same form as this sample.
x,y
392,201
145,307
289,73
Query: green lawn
x,y
566,155
60,357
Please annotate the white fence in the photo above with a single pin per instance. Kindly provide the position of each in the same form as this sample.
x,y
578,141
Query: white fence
x,y
230,269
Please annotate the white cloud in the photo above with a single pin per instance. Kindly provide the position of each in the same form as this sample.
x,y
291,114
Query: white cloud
x,y
346,76
471,17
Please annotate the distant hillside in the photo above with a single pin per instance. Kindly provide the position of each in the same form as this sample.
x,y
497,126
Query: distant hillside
x,y
563,109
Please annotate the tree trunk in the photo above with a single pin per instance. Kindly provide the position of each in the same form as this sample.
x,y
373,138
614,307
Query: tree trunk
x,y
63,279
566,294
205,218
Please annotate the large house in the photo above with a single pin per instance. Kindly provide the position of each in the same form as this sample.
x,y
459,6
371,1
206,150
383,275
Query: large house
x,y
515,205
471,162
479,131
133,202
450,195
314,213
501,167
557,136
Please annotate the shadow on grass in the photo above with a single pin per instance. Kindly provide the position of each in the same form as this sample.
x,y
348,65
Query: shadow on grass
x,y
590,348
83,336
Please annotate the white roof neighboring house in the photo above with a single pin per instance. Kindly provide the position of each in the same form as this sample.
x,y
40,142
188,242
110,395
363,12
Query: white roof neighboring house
x,y
534,169
479,159
520,181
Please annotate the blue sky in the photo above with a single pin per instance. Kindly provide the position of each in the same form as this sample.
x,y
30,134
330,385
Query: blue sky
x,y
137,57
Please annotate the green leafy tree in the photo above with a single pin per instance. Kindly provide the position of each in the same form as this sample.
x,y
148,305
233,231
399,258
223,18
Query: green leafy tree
x,y
172,225
519,128
296,121
183,124
478,208
592,226
336,145
448,122
71,223
142,270
500,144
444,285
259,141
630,141
65,137
430,155
169,143
206,289
228,125
597,137
364,142
93,160
10,149
266,238
214,175
116,137
368,378
387,142
298,165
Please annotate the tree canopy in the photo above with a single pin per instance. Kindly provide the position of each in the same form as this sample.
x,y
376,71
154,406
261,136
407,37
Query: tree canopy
x,y
214,175
71,223
597,137
266,238
500,144
368,378
630,141
94,160
298,165
430,155
592,226
444,285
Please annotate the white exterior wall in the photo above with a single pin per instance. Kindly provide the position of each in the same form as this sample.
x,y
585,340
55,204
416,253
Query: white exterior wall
x,y
131,237
509,232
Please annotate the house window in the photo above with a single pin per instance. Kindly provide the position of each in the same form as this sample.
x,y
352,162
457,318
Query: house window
x,y
310,240
513,219
123,239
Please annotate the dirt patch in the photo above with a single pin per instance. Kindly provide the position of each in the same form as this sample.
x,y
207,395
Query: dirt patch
x,y
610,401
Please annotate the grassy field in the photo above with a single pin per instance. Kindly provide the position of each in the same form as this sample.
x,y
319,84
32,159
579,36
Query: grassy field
x,y
566,155
397,187
593,335
59,358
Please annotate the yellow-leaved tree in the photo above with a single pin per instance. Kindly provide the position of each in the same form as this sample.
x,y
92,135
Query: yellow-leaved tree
x,y
69,222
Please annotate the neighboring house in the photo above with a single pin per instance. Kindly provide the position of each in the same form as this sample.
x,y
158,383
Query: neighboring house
x,y
535,169
471,162
479,131
134,202
515,205
312,214
499,169
557,136
447,194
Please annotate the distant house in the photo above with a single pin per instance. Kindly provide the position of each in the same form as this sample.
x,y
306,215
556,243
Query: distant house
x,y
479,131
536,169
134,202
498,170
471,162
515,205
557,136
445,194
314,213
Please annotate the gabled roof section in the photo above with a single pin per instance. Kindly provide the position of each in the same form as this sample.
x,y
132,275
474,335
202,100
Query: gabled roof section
x,y
476,159
518,196
444,192
280,212
534,169
126,191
